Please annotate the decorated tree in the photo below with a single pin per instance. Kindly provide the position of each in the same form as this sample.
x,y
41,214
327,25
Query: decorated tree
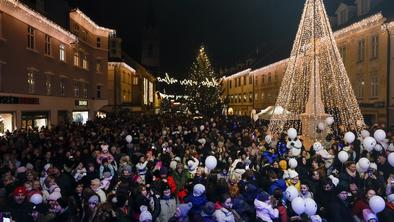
x,y
203,89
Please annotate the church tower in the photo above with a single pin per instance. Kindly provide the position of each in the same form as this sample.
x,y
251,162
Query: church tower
x,y
150,54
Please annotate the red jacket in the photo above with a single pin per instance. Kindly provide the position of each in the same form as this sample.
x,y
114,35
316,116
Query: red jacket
x,y
172,184
359,206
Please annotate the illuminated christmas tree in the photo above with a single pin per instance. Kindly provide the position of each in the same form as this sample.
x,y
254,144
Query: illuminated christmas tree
x,y
315,84
204,91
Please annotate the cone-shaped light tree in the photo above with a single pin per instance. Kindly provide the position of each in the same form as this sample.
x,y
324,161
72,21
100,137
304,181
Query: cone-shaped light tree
x,y
315,84
204,91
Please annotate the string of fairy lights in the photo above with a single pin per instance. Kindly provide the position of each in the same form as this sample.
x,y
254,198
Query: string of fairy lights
x,y
315,57
208,82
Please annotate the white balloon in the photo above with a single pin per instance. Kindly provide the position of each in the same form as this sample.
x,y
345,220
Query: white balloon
x,y
317,146
390,158
378,147
291,193
365,133
211,162
330,120
379,135
292,133
310,207
391,147
36,199
358,168
129,138
298,205
364,164
369,143
293,163
343,156
377,204
202,127
349,137
268,138
321,126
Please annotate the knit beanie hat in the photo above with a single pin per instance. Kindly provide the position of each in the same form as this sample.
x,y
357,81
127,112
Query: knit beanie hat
x,y
316,218
190,165
127,168
145,214
198,190
208,209
184,209
292,174
163,171
369,215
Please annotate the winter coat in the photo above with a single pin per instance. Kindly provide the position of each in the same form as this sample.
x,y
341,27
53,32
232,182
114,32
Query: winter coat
x,y
281,184
265,211
359,206
102,195
337,210
198,203
180,180
167,208
109,168
223,215
345,180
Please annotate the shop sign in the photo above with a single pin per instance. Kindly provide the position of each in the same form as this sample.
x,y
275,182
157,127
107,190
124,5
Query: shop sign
x,y
81,103
18,100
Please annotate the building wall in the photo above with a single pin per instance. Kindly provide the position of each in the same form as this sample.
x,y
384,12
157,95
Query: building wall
x,y
369,75
49,71
120,80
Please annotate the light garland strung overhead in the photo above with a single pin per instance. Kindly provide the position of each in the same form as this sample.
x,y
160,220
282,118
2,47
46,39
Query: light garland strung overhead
x,y
315,83
187,82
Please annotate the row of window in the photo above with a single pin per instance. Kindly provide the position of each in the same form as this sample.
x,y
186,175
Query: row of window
x,y
361,49
129,78
374,88
80,32
80,89
238,80
241,98
79,59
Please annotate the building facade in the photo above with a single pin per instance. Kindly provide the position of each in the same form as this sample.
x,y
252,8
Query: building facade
x,y
121,78
368,54
49,75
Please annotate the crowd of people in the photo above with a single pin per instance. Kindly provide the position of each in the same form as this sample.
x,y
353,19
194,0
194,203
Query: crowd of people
x,y
175,168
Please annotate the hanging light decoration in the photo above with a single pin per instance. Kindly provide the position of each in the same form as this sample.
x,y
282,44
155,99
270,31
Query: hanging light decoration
x,y
315,84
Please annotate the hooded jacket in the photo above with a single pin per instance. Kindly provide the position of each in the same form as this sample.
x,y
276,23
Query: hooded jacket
x,y
265,211
223,215
281,184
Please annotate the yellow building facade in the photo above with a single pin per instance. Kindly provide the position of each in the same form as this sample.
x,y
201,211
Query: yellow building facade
x,y
367,51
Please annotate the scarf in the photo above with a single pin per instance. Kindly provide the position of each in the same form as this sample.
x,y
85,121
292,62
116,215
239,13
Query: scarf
x,y
351,173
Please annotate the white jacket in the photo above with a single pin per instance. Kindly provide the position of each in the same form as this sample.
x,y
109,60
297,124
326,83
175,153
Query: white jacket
x,y
265,211
223,215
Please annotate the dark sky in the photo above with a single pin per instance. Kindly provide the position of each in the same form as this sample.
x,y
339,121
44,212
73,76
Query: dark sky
x,y
230,29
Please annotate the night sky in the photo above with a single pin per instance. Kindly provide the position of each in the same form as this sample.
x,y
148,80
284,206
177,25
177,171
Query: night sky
x,y
231,30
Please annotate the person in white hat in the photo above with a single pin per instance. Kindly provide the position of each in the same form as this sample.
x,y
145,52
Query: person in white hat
x,y
294,179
